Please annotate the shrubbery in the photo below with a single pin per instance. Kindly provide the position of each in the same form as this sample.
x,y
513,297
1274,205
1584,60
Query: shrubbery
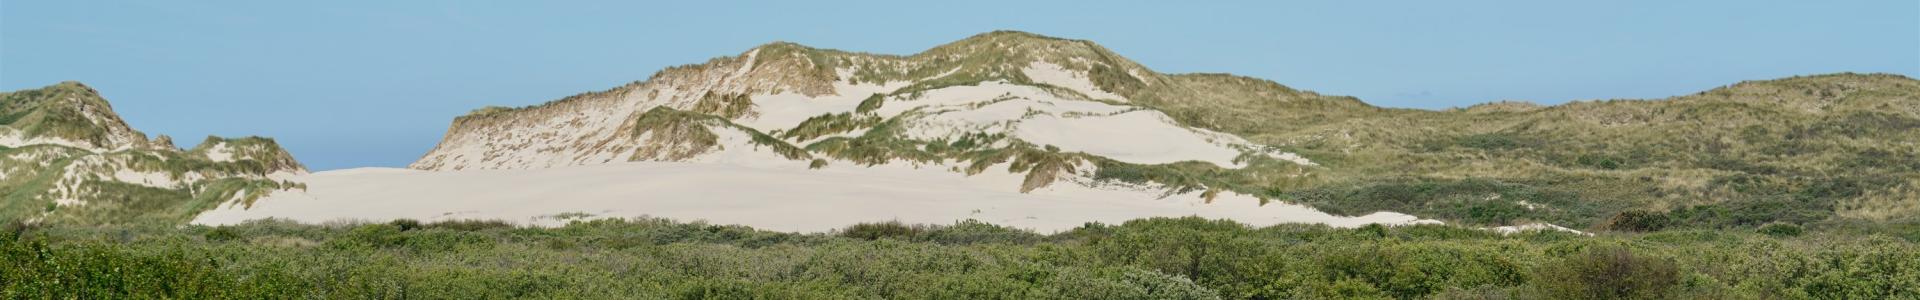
x,y
1159,258
874,231
1638,221
1608,272
1781,229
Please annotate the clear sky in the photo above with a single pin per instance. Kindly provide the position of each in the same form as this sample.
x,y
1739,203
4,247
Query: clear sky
x,y
375,83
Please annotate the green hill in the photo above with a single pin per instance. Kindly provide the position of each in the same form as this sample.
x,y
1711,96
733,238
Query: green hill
x,y
1800,150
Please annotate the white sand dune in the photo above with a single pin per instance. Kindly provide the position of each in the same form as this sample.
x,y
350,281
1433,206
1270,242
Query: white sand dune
x,y
783,197
565,158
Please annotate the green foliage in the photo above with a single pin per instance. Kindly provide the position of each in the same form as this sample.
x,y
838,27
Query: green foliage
x,y
405,224
724,105
254,154
1491,141
778,146
1112,79
1638,221
673,134
1159,258
828,124
1473,200
489,111
68,110
1752,212
679,135
118,203
1609,273
39,175
873,231
467,225
1599,161
1180,177
970,232
1042,165
1784,150
38,270
1781,229
871,103
879,145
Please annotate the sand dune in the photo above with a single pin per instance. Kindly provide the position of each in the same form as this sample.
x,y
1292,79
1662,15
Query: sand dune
x,y
774,197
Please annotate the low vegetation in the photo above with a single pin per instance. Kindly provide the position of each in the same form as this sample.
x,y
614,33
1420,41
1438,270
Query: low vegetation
x,y
829,124
725,105
676,135
1184,258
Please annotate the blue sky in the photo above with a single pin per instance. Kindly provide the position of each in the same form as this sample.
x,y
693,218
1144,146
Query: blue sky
x,y
375,83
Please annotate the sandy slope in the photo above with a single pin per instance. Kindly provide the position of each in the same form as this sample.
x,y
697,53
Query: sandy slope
x,y
785,198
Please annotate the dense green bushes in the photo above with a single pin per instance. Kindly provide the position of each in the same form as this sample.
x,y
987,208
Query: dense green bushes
x,y
1609,273
1185,258
874,231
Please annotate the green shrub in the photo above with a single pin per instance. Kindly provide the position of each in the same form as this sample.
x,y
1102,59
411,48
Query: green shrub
x,y
405,224
976,232
725,105
16,229
1608,272
1599,161
829,124
1638,221
874,231
1163,286
1481,201
1156,258
1780,229
1494,212
466,225
373,235
1755,211
871,103
222,234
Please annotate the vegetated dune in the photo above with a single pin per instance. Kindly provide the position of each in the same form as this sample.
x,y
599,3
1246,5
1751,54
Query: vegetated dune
x,y
785,198
783,138
67,158
1084,124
